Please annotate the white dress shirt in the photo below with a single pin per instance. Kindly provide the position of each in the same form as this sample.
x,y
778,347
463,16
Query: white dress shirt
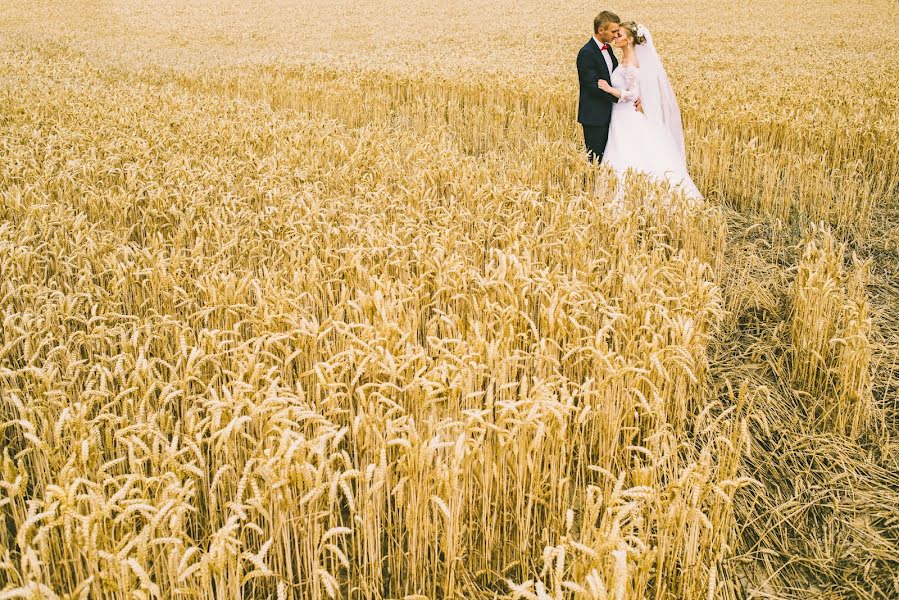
x,y
605,55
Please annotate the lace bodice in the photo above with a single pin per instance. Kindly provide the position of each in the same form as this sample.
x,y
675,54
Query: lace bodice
x,y
627,79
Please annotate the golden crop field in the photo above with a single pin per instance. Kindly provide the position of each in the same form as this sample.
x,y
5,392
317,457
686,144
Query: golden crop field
x,y
322,300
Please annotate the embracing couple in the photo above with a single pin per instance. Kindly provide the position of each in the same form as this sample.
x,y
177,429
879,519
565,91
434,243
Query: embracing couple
x,y
629,112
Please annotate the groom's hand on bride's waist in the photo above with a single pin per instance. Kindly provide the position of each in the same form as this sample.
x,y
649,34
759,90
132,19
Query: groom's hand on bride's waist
x,y
638,105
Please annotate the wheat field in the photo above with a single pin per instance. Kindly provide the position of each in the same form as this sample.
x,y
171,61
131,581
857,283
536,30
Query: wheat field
x,y
322,300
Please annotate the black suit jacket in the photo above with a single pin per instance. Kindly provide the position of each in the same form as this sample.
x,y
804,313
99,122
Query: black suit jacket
x,y
595,105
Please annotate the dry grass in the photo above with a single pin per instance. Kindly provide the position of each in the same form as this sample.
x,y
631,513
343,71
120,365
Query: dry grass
x,y
281,318
831,336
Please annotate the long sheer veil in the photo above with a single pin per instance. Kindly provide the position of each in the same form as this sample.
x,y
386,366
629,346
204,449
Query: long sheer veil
x,y
656,94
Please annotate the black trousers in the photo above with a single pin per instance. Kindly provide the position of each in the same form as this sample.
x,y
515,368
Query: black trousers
x,y
595,138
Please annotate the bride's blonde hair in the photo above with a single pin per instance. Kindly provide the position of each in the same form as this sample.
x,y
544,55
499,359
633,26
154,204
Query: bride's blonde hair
x,y
631,28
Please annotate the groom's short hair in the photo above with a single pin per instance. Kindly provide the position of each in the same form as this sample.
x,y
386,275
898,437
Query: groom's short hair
x,y
603,19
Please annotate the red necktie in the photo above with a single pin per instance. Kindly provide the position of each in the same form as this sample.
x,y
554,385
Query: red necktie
x,y
604,47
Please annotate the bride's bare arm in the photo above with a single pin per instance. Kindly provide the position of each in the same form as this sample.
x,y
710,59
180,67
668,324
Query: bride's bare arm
x,y
632,87
604,86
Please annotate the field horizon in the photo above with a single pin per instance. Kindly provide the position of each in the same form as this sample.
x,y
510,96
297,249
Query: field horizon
x,y
322,300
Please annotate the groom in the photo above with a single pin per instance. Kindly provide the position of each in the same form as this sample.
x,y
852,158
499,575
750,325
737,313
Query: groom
x,y
596,61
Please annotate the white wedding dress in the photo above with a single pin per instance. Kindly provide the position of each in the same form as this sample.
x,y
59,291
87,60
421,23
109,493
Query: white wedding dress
x,y
644,144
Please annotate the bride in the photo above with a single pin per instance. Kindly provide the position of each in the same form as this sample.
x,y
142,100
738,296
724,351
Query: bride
x,y
651,142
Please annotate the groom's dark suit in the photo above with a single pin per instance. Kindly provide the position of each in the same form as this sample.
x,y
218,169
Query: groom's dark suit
x,y
594,110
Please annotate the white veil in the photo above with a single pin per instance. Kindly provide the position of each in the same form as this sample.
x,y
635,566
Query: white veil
x,y
656,94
